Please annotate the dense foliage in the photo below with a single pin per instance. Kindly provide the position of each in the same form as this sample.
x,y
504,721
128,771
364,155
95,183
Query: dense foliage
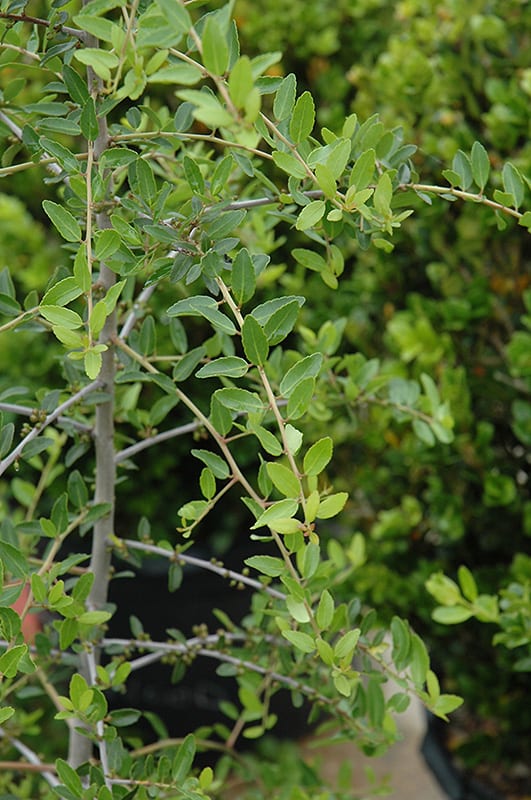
x,y
239,322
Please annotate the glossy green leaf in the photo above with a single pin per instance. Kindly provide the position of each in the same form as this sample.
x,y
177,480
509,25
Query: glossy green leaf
x,y
63,220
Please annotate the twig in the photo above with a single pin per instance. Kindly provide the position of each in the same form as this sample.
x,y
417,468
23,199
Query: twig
x,y
181,430
26,411
100,727
8,460
32,757
218,569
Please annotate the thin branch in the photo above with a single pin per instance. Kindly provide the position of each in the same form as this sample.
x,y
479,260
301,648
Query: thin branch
x,y
181,430
135,312
26,411
218,569
476,198
44,23
35,432
32,757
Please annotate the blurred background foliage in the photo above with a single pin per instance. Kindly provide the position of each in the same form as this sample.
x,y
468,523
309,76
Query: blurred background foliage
x,y
453,299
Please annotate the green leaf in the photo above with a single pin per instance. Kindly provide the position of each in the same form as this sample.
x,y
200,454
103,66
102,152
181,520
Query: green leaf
x,y
254,341
62,292
467,583
217,464
63,220
303,118
94,617
268,440
69,777
309,259
64,317
297,609
241,81
294,439
243,277
325,610
451,615
9,306
176,15
215,47
101,61
307,367
344,648
193,175
281,322
92,362
268,565
239,400
285,97
283,479
302,641
6,713
332,505
318,456
288,163
513,183
77,88
445,704
310,215
461,165
88,121
363,170
98,318
226,366
207,483
383,194
281,510
184,757
310,560
9,661
480,165
326,180
300,399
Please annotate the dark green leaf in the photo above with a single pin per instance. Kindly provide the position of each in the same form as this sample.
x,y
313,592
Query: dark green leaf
x,y
88,121
285,97
63,220
480,165
243,277
303,118
254,341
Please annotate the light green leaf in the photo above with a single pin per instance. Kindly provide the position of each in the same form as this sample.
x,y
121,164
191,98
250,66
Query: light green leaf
x,y
445,704
241,81
480,165
332,505
461,165
64,317
207,483
218,465
467,583
309,259
302,641
281,322
288,163
215,47
268,565
451,615
226,366
101,61
363,170
294,439
297,609
63,220
318,456
62,292
94,617
383,195
268,440
97,318
92,362
281,510
326,180
325,610
300,399
303,118
283,479
345,646
176,15
310,215
254,341
285,97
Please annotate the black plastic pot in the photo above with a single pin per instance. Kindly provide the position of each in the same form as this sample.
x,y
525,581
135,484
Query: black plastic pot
x,y
456,784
